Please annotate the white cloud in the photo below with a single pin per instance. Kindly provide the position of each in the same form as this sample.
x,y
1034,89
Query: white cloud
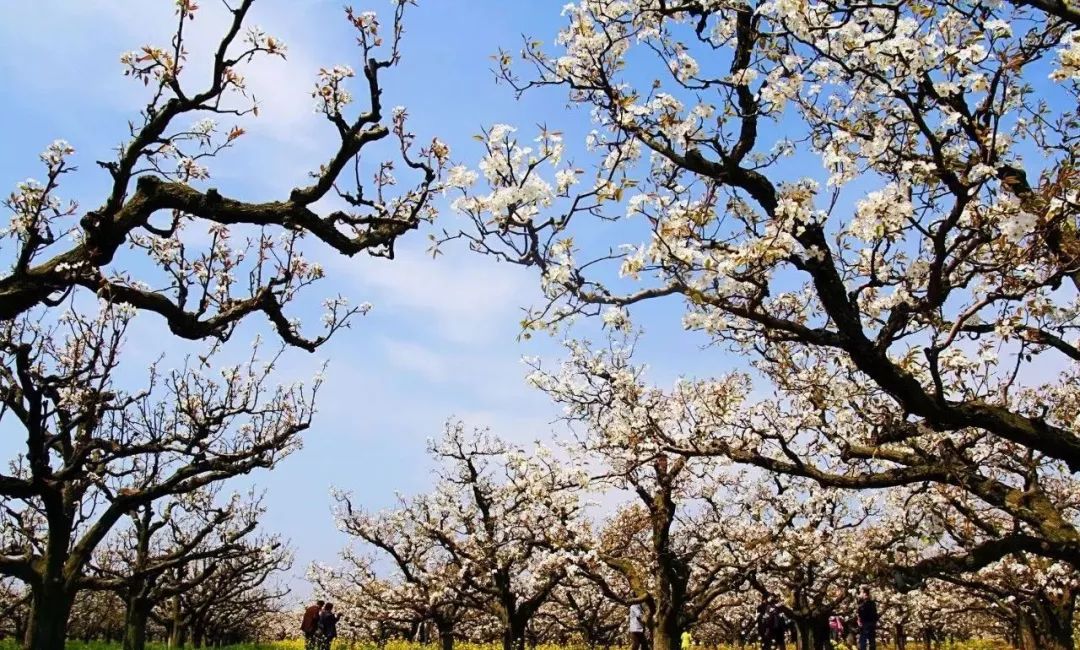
x,y
87,38
469,298
416,359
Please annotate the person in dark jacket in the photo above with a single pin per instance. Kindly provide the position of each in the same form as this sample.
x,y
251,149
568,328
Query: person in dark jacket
x,y
310,624
762,621
868,620
771,624
328,626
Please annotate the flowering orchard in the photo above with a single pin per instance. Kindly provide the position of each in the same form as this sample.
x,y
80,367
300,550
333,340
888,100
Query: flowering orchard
x,y
870,207
118,489
874,204
498,554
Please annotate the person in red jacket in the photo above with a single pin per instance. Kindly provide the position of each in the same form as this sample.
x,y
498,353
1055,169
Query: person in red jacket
x,y
310,624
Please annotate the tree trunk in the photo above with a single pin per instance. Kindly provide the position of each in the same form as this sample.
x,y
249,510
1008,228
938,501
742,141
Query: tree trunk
x,y
49,611
177,635
1056,629
446,636
812,632
1046,628
135,617
1025,630
664,639
666,634
514,634
899,636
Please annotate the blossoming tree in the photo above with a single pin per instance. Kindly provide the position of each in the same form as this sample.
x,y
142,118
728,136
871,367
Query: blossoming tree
x,y
222,605
97,452
200,262
875,203
53,247
669,548
426,586
510,522
580,612
162,540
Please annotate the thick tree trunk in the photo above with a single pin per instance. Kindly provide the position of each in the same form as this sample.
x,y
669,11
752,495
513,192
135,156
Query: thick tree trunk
x,y
50,609
672,573
1056,638
135,617
1046,629
514,634
664,640
446,636
1025,631
666,633
812,632
1056,629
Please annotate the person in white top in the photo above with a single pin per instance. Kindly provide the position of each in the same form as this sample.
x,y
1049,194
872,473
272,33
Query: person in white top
x,y
637,627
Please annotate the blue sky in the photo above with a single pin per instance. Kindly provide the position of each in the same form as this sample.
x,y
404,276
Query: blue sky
x,y
441,340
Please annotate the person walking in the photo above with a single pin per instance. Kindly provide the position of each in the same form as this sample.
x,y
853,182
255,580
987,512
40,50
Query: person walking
x,y
328,621
836,628
309,625
636,626
868,620
781,624
762,623
771,624
686,641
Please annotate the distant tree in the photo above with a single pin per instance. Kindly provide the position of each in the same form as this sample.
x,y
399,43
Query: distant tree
x,y
509,520
580,612
1036,596
670,546
377,609
14,609
425,585
732,619
97,616
163,539
226,604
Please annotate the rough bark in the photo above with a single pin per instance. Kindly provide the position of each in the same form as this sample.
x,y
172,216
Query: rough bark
x,y
1046,628
135,618
1025,629
51,607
